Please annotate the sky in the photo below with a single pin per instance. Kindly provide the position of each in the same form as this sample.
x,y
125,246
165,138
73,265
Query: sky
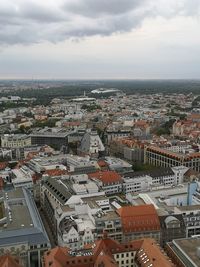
x,y
99,39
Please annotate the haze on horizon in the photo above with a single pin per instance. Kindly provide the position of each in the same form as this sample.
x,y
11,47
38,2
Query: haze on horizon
x,y
100,39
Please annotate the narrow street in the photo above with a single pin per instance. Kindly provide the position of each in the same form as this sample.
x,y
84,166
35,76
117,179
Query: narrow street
x,y
47,228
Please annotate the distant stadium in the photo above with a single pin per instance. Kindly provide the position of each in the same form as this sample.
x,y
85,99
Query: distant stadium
x,y
105,91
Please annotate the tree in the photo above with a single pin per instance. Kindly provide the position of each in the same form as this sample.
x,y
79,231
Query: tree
x,y
49,123
22,129
165,128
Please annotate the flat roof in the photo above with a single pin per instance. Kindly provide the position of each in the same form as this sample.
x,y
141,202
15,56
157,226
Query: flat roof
x,y
51,132
189,208
18,193
23,224
92,202
20,218
108,215
15,137
188,247
152,173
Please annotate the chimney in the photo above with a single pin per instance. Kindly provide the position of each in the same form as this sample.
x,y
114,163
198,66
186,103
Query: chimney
x,y
105,235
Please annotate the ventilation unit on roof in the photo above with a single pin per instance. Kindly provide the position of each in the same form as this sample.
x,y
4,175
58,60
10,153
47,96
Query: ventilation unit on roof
x,y
198,252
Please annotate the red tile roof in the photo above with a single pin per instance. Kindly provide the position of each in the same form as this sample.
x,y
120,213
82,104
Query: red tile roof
x,y
107,177
105,260
102,163
57,257
9,261
3,165
60,257
36,177
150,253
141,123
102,253
32,154
55,172
194,116
108,245
71,123
139,218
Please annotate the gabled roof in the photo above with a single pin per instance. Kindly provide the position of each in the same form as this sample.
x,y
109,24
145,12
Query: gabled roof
x,y
107,177
57,257
102,163
139,218
105,260
60,255
102,254
58,189
151,255
107,245
130,211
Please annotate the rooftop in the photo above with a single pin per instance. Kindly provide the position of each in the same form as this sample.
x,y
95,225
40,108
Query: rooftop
x,y
9,261
139,218
175,155
102,253
107,177
58,188
151,255
23,223
51,132
187,248
14,137
117,162
153,173
189,208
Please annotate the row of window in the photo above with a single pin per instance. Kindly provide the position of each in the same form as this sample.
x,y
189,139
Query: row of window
x,y
38,246
124,254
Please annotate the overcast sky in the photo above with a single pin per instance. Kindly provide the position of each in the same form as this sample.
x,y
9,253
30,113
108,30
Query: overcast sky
x,y
135,39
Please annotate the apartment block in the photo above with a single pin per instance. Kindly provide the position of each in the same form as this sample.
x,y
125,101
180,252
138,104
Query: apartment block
x,y
109,253
161,157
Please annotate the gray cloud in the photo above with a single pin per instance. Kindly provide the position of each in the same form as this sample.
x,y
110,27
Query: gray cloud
x,y
91,8
191,8
34,21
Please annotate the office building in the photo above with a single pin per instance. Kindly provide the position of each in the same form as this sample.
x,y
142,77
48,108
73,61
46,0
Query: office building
x,y
22,232
55,137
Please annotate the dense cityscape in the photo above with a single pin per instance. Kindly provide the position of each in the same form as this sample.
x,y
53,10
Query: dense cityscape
x,y
99,133
103,178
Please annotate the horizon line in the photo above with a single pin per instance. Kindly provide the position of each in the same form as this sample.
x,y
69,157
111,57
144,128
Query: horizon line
x,y
99,79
